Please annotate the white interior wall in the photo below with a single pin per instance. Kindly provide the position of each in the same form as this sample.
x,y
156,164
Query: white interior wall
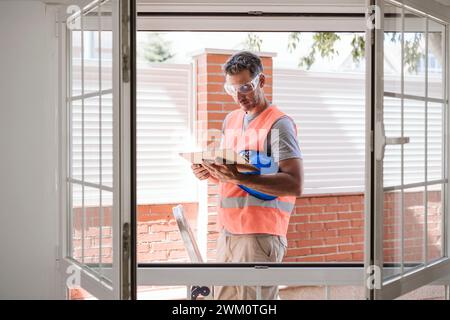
x,y
29,151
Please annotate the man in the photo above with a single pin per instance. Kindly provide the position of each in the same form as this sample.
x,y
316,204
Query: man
x,y
254,230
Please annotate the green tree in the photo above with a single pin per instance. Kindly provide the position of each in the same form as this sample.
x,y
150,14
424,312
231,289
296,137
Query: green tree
x,y
157,49
324,43
253,42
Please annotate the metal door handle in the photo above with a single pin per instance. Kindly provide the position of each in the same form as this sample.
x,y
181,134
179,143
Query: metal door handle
x,y
381,141
398,140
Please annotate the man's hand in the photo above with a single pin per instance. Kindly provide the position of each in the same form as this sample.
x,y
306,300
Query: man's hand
x,y
287,182
223,172
200,172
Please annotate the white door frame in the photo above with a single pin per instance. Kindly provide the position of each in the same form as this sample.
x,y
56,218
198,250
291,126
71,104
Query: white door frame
x,y
376,287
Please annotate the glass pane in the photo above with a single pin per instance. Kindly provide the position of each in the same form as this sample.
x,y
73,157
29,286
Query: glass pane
x,y
428,292
392,48
414,151
435,220
76,139
392,222
106,45
91,244
76,222
92,140
392,155
414,54
435,141
75,47
106,234
91,24
436,41
414,227
107,139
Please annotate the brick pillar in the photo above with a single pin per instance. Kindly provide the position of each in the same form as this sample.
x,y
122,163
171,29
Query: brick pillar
x,y
213,104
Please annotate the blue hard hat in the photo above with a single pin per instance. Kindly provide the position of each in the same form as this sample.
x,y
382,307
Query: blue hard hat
x,y
264,165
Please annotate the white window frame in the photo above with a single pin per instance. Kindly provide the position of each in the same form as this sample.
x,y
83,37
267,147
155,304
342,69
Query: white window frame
x,y
113,283
408,281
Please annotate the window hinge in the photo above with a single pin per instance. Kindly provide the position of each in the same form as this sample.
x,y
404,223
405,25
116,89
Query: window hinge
x,y
371,141
126,64
126,247
57,255
125,47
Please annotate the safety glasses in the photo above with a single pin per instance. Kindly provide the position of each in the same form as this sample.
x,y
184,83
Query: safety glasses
x,y
233,90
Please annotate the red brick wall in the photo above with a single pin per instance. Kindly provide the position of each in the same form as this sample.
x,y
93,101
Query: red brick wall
x,y
158,235
326,228
414,226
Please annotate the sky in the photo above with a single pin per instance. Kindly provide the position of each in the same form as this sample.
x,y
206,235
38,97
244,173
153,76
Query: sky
x,y
183,44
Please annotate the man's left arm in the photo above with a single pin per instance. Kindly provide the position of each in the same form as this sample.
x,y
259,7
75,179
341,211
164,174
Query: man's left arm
x,y
287,182
285,148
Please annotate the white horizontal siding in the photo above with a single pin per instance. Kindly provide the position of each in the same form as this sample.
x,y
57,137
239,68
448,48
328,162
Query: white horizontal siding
x,y
164,113
329,110
163,130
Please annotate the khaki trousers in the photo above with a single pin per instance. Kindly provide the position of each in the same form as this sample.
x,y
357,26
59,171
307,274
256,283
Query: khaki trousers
x,y
248,248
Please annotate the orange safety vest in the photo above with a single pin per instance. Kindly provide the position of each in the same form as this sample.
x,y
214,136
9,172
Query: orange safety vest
x,y
238,211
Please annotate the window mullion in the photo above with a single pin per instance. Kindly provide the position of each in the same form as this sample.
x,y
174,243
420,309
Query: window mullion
x,y
402,181
82,140
425,257
100,133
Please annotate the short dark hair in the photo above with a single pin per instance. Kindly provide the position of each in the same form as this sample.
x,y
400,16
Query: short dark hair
x,y
243,60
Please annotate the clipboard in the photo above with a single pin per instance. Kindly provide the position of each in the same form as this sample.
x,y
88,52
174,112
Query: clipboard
x,y
220,156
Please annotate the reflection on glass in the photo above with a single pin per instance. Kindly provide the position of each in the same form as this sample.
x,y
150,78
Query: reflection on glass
x,y
392,154
76,220
106,234
434,222
392,48
414,54
414,151
436,32
76,139
414,227
107,139
392,236
91,243
428,292
92,140
106,46
91,60
435,142
75,51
